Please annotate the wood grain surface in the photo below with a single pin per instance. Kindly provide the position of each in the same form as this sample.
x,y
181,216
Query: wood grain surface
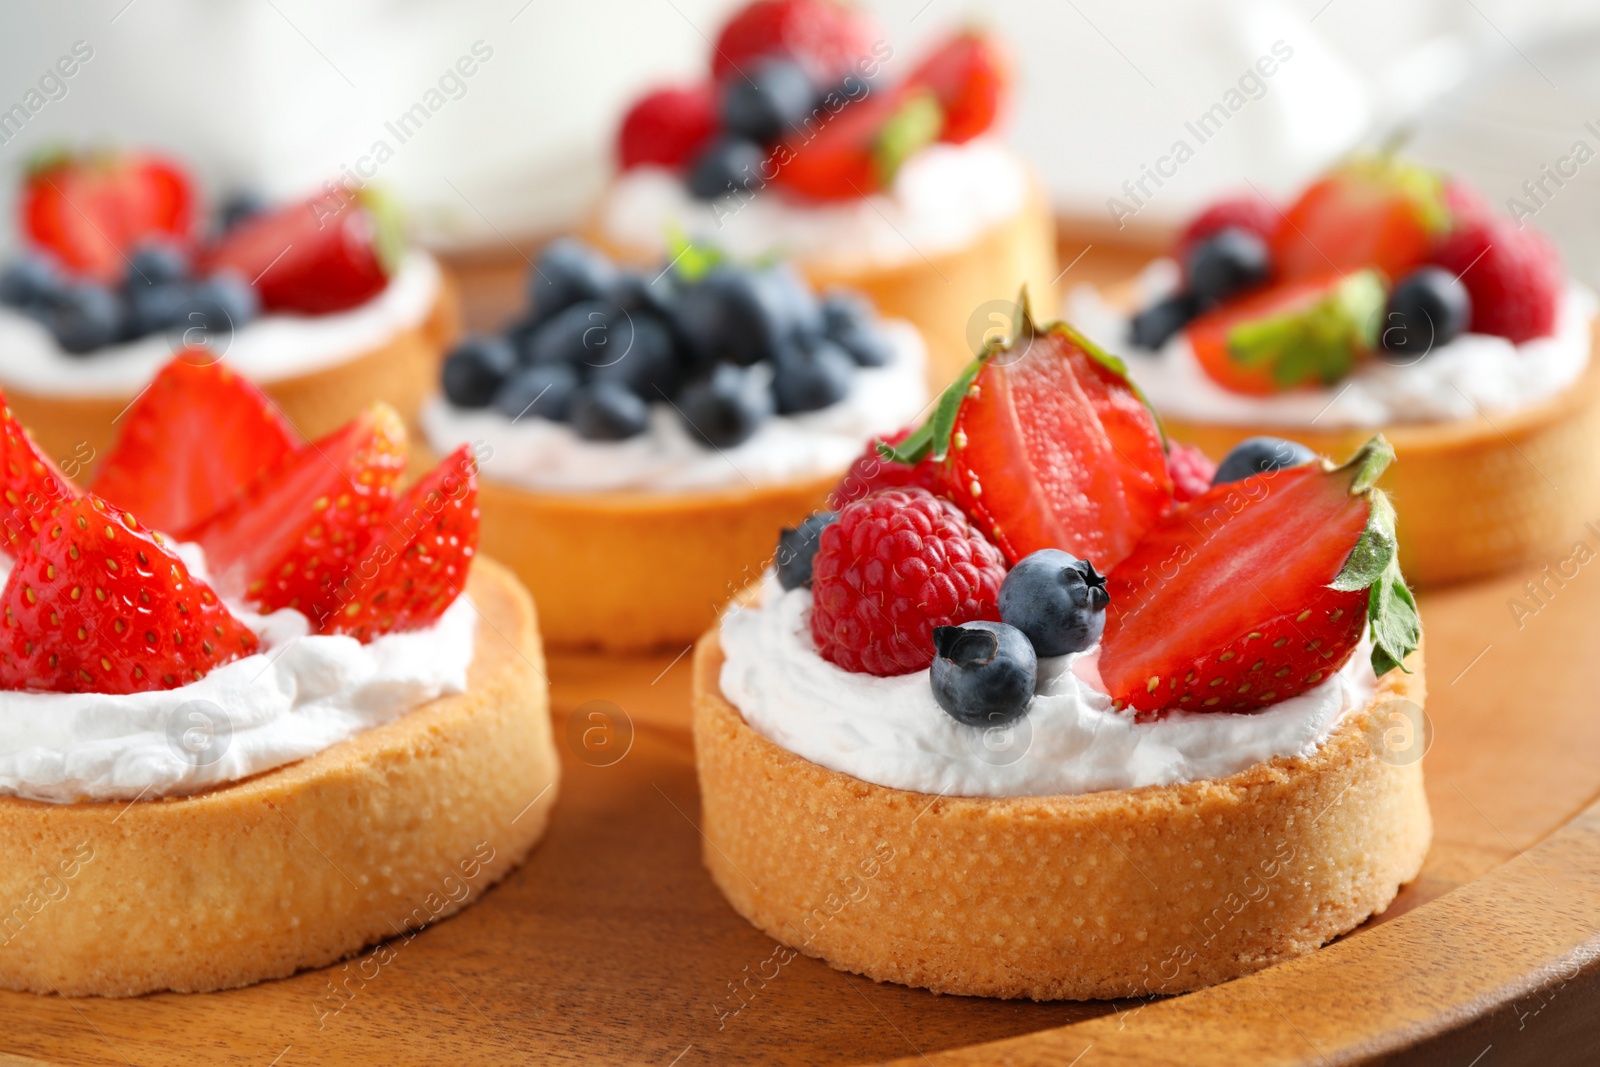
x,y
611,945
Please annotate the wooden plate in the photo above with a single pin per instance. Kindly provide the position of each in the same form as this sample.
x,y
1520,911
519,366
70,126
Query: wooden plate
x,y
611,945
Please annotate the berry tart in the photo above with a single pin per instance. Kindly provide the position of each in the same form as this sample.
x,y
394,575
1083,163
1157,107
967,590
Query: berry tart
x,y
1386,297
1046,713
644,435
319,301
249,721
812,140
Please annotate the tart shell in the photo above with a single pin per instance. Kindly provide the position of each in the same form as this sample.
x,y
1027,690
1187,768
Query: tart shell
x,y
404,371
954,298
1113,894
378,835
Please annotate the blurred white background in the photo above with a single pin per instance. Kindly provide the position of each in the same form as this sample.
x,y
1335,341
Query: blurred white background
x,y
281,94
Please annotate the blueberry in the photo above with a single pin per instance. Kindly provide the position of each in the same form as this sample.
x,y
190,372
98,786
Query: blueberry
x,y
215,307
849,321
797,547
156,264
1429,307
1058,600
776,97
475,370
983,673
29,282
1258,454
797,306
726,165
566,272
632,291
240,205
1226,264
810,378
731,316
581,335
724,409
642,358
607,411
544,391
152,308
85,317
1155,325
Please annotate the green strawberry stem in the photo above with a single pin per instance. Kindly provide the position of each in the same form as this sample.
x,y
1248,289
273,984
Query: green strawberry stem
x,y
388,227
1374,564
1316,343
913,127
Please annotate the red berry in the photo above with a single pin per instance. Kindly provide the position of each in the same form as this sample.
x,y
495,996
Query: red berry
x,y
1514,276
30,484
667,127
895,565
93,211
1372,212
96,604
871,472
330,253
191,441
1190,470
1248,211
827,38
970,75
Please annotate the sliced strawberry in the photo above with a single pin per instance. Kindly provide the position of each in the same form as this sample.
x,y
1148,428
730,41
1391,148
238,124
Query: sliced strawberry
x,y
92,211
1045,443
1258,590
970,75
417,564
861,149
667,127
1298,333
30,484
831,40
330,253
1372,212
289,537
190,442
96,604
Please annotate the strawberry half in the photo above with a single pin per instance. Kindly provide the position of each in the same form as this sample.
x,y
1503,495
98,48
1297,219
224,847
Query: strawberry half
x,y
418,563
30,483
329,253
1371,212
92,211
1045,443
1299,333
290,536
970,75
1258,590
97,605
860,149
191,441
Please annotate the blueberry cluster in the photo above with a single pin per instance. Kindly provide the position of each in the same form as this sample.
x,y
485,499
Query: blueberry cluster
x,y
726,346
1227,263
1051,604
770,102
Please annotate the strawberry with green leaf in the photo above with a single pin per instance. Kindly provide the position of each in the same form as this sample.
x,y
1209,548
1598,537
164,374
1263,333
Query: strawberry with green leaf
x,y
1373,211
860,149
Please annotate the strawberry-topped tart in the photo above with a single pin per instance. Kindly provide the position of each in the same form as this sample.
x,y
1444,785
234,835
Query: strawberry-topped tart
x,y
1385,296
1046,709
643,435
248,714
811,139
318,300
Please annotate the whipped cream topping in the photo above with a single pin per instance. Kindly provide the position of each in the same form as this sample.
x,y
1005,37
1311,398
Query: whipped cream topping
x,y
546,456
299,694
1475,374
270,348
891,732
942,198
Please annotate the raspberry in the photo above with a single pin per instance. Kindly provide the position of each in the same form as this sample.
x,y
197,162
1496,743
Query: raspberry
x,y
667,127
898,563
1246,212
871,472
1191,471
1513,276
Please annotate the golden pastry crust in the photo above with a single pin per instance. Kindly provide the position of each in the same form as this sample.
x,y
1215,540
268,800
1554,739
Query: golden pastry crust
x,y
941,294
397,827
77,431
1112,894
